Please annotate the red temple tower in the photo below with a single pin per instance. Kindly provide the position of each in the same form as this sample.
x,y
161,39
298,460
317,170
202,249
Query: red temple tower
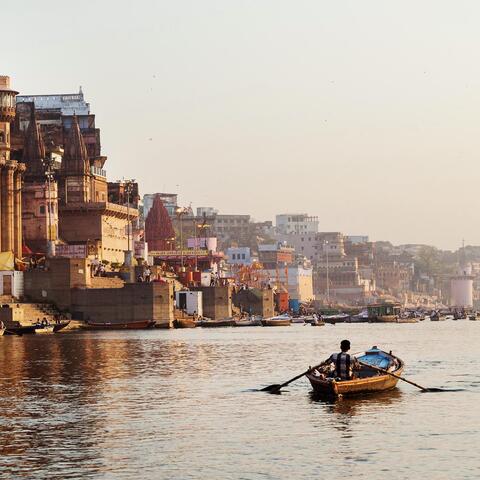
x,y
159,232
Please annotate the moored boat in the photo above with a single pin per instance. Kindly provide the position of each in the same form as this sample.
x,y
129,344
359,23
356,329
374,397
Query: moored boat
x,y
383,312
227,322
278,321
248,322
60,326
337,318
135,325
44,328
366,380
184,323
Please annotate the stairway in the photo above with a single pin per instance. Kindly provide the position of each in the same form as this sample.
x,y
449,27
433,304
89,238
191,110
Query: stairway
x,y
33,312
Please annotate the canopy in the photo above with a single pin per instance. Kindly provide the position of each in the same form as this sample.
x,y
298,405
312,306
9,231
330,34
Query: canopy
x,y
7,261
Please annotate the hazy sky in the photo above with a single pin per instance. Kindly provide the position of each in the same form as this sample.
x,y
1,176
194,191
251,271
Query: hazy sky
x,y
365,113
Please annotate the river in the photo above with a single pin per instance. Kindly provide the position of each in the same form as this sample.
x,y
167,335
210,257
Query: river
x,y
181,404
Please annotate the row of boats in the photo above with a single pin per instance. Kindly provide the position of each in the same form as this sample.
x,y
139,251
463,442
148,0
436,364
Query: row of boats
x,y
253,321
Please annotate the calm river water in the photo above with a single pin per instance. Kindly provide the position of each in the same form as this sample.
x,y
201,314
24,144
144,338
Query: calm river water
x,y
178,405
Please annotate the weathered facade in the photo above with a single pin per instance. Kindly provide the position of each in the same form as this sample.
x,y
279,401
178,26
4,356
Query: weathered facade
x,y
11,172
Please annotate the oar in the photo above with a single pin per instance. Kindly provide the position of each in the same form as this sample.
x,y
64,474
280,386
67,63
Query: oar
x,y
378,369
275,388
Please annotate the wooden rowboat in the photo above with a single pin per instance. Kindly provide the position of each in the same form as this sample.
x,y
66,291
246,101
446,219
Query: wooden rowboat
x,y
279,321
184,323
141,324
367,380
227,322
270,322
60,326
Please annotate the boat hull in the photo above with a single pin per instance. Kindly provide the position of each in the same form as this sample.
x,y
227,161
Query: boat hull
x,y
218,323
358,386
184,323
248,323
384,319
60,326
323,386
269,322
143,324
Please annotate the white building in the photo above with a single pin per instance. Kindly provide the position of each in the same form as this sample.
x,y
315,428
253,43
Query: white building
x,y
297,279
206,211
239,256
298,223
461,288
169,201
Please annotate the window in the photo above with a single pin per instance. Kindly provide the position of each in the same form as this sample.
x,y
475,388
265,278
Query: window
x,y
243,256
42,209
233,256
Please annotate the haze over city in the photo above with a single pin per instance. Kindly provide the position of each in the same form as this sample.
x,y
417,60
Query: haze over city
x,y
363,113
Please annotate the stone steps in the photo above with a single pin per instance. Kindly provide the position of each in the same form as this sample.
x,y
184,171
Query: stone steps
x,y
107,282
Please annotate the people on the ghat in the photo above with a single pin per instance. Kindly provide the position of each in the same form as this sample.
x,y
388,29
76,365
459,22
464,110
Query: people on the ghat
x,y
344,364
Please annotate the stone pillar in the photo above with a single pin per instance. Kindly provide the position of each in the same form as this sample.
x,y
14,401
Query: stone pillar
x,y
2,163
7,206
17,210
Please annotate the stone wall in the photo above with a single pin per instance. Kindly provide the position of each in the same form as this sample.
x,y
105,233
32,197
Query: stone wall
x,y
217,301
255,301
133,302
54,283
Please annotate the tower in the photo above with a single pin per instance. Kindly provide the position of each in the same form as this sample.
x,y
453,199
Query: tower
x,y
10,177
74,178
39,196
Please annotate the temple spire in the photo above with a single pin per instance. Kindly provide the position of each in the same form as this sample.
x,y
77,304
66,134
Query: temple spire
x,y
34,149
75,160
159,232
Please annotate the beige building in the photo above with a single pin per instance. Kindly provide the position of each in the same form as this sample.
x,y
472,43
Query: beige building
x,y
11,173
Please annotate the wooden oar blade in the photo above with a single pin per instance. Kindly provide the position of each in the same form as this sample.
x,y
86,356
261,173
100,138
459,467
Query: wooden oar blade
x,y
271,388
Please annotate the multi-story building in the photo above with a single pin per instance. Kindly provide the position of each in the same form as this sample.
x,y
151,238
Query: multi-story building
x,y
297,223
11,173
393,276
61,126
239,256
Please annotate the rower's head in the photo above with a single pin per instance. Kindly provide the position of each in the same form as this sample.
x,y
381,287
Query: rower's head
x,y
345,345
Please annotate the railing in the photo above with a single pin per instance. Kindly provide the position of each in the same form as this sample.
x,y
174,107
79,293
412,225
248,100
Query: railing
x,y
98,171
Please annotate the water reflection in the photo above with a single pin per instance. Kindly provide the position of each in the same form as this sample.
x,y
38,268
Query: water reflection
x,y
175,405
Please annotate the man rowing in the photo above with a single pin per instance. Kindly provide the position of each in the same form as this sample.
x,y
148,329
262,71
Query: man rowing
x,y
344,364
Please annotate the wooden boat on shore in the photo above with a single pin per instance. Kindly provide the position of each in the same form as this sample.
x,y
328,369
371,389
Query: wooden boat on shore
x,y
136,325
57,327
184,323
279,321
248,322
43,329
227,322
367,380
337,318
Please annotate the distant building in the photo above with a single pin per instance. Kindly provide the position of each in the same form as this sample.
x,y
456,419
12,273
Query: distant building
x,y
169,201
296,279
297,223
239,255
206,212
275,256
461,288
356,239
